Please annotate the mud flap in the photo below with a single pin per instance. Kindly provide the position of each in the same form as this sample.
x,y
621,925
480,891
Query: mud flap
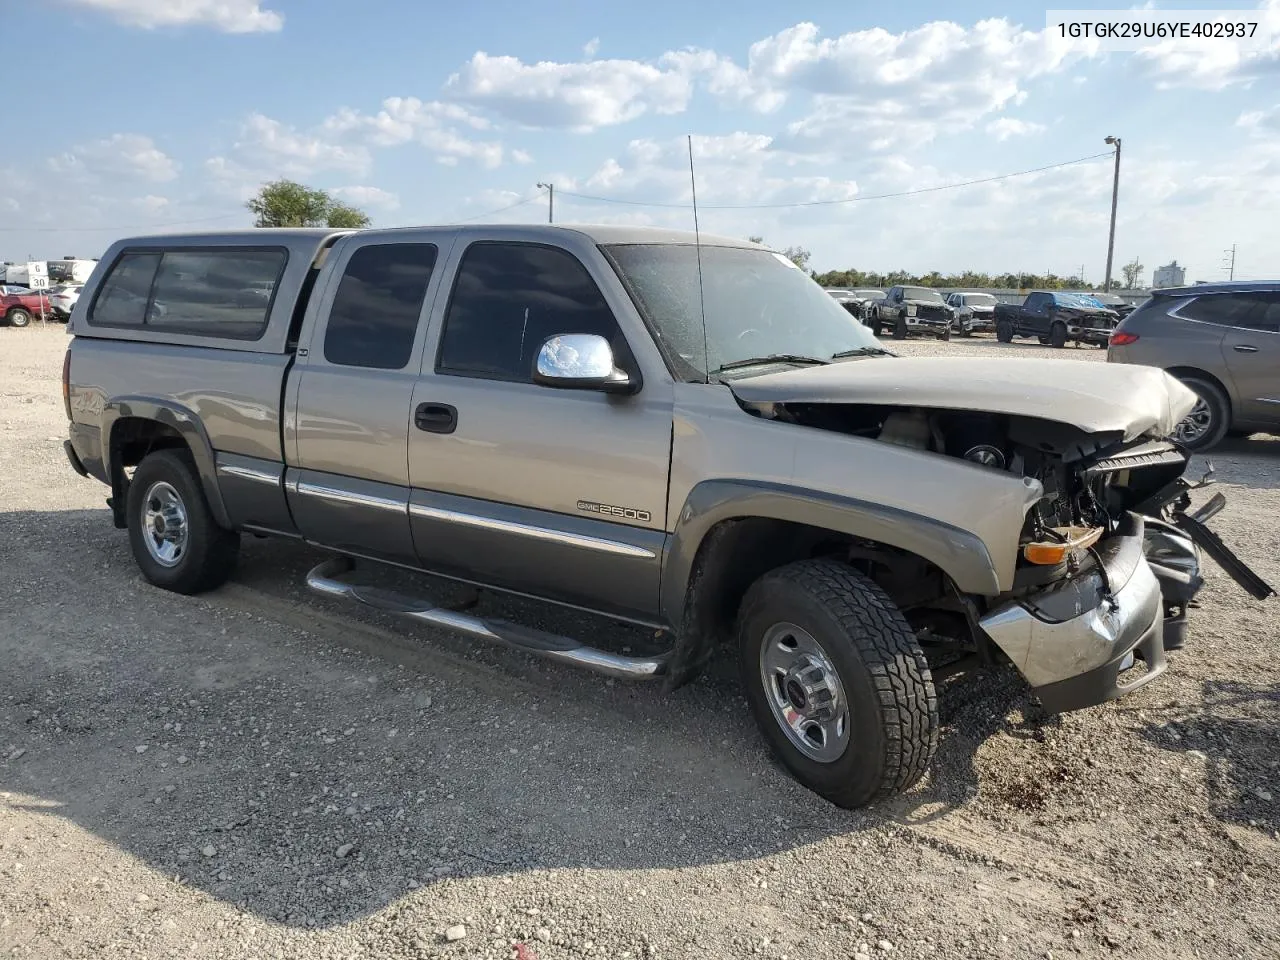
x,y
1211,543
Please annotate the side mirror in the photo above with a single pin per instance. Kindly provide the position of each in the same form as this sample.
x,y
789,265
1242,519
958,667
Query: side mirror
x,y
580,361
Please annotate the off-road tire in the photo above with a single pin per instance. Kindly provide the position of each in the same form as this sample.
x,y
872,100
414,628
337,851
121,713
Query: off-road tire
x,y
1004,331
893,708
1058,335
1219,411
18,317
876,327
945,334
211,551
900,327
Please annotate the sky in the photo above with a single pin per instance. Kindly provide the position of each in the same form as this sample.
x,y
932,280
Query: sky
x,y
166,115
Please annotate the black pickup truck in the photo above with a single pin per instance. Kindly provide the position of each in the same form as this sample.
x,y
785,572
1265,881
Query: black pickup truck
x,y
1055,318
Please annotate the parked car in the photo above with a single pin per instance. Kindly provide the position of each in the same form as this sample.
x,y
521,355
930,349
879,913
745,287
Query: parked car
x,y
1056,318
17,309
1223,341
63,297
1120,305
856,302
907,310
974,313
534,409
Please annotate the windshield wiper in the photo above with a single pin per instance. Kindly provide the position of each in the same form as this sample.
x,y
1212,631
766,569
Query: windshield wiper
x,y
771,358
862,352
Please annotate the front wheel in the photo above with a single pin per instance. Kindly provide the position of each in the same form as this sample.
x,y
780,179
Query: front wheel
x,y
1004,331
176,542
945,334
900,327
1058,335
18,317
837,682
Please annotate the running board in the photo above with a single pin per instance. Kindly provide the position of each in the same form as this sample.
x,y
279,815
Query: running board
x,y
323,579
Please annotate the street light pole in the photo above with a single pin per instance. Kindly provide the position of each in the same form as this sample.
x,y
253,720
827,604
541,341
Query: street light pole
x,y
1115,194
551,200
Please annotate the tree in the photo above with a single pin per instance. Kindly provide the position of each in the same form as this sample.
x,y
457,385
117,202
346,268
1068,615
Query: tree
x,y
283,203
1132,271
755,239
797,255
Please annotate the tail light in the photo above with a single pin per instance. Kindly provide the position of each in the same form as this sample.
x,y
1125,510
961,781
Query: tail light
x,y
66,382
1121,339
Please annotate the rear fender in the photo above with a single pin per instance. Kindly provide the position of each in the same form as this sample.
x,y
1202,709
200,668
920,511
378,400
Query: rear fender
x,y
187,425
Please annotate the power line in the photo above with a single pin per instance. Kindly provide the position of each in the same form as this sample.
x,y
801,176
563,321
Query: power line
x,y
510,206
828,203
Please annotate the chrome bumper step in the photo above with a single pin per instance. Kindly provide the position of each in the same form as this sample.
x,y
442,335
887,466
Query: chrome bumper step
x,y
324,579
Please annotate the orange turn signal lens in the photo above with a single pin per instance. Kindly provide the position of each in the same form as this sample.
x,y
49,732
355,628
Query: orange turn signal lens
x,y
1048,553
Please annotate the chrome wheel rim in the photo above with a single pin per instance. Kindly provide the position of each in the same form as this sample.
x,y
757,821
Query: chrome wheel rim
x,y
1196,424
164,524
804,692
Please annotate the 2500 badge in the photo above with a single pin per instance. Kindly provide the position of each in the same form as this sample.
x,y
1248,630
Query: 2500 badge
x,y
626,513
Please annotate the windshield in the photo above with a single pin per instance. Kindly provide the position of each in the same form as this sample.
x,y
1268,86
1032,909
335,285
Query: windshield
x,y
1076,300
979,300
921,293
757,304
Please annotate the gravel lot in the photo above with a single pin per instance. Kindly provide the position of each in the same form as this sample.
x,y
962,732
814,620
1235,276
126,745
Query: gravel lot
x,y
256,774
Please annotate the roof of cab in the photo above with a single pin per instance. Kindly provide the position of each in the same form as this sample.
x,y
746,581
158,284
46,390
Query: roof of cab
x,y
597,233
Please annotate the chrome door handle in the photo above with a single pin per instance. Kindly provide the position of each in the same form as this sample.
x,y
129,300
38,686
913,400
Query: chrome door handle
x,y
1244,348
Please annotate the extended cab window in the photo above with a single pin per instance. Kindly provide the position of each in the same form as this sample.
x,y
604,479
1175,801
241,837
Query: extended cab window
x,y
215,293
510,297
376,309
122,299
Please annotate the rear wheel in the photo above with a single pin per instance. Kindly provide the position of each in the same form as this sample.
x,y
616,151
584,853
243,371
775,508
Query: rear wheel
x,y
1208,421
1058,335
1004,331
18,317
837,682
176,541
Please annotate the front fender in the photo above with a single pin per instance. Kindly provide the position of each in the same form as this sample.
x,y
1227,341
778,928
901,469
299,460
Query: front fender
x,y
180,419
958,553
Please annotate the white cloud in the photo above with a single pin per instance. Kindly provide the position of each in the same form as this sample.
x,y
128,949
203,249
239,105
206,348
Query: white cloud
x,y
228,16
591,47
1215,66
1002,128
432,124
282,150
579,96
152,204
1261,122
122,154
521,156
363,196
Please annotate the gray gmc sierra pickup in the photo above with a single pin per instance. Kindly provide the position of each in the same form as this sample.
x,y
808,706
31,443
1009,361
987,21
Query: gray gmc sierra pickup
x,y
687,435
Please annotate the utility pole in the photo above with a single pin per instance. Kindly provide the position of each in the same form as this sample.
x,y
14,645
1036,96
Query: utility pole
x,y
1115,194
1229,262
551,200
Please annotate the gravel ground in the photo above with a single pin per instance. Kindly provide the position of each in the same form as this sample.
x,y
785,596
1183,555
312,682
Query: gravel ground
x,y
256,774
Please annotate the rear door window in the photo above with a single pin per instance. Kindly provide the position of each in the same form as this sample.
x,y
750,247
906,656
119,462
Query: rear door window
x,y
122,300
375,312
1222,309
215,293
1266,313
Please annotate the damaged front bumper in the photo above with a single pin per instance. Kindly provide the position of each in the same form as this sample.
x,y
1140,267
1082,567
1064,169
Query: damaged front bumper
x,y
1078,642
1073,641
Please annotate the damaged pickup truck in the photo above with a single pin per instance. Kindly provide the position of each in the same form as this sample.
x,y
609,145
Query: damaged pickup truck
x,y
688,436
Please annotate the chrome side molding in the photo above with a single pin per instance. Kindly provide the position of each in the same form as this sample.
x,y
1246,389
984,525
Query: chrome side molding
x,y
324,579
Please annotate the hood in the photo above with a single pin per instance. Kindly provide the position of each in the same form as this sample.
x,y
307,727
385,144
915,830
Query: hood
x,y
982,307
1094,397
